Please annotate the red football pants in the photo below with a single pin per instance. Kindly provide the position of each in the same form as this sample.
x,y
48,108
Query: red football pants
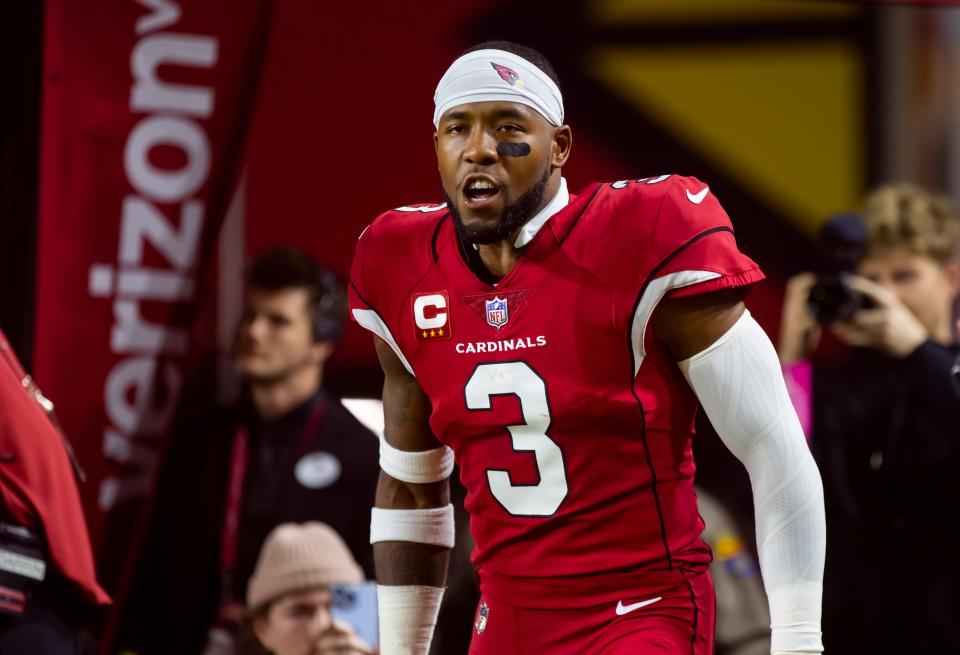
x,y
681,622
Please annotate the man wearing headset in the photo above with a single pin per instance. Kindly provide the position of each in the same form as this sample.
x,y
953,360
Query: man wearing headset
x,y
289,452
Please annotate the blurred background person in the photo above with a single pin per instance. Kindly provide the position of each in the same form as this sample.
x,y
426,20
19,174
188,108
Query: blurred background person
x,y
288,452
884,423
289,598
48,586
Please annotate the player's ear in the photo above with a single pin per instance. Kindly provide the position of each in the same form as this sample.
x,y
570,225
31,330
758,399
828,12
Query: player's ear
x,y
560,148
436,143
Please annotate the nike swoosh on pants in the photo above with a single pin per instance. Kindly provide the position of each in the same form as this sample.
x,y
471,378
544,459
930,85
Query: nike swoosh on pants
x,y
626,609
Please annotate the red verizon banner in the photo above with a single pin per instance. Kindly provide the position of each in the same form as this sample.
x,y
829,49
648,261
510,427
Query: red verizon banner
x,y
145,107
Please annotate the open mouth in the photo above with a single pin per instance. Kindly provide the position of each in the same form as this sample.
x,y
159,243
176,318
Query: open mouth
x,y
479,191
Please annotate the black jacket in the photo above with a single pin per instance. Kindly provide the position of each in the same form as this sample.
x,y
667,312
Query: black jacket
x,y
177,584
887,438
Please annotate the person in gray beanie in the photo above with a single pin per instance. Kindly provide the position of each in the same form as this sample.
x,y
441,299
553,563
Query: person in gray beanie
x,y
289,595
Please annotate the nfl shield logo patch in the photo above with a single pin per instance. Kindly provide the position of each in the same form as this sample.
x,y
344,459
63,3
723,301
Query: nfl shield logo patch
x,y
482,615
497,315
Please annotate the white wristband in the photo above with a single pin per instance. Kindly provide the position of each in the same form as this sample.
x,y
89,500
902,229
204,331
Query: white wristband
x,y
421,467
422,526
408,615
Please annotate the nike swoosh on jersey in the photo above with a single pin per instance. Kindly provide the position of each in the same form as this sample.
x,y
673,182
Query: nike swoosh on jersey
x,y
697,198
626,609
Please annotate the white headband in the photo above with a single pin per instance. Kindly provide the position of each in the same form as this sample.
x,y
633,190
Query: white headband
x,y
486,75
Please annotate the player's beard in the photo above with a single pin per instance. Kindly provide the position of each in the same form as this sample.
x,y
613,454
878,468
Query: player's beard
x,y
514,215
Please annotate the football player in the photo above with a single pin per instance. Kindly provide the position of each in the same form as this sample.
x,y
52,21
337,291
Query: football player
x,y
558,345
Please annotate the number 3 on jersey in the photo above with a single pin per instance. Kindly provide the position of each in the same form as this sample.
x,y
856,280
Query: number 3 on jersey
x,y
518,379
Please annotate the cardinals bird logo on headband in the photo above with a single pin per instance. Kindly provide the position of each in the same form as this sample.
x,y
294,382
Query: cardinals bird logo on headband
x,y
508,74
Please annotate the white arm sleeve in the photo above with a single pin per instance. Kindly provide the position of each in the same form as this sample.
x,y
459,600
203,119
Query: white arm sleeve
x,y
739,383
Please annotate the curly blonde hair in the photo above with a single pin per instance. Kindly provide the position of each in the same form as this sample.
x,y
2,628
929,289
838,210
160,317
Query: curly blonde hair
x,y
905,215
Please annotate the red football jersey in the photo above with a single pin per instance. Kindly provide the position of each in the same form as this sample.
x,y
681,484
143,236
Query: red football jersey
x,y
570,423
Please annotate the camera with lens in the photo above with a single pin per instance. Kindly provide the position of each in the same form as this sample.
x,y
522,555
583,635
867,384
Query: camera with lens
x,y
832,299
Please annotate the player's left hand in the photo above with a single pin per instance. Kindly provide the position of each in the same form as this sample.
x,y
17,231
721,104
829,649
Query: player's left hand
x,y
341,640
888,326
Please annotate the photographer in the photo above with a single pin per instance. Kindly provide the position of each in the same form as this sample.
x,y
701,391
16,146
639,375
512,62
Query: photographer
x,y
884,426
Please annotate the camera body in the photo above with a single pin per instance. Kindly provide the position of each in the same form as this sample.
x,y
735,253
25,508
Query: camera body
x,y
832,299
843,239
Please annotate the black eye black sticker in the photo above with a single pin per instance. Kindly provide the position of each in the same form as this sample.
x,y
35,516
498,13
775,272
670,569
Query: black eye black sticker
x,y
510,149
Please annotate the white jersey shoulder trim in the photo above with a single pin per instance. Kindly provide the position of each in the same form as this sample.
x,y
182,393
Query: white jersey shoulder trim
x,y
650,298
370,320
